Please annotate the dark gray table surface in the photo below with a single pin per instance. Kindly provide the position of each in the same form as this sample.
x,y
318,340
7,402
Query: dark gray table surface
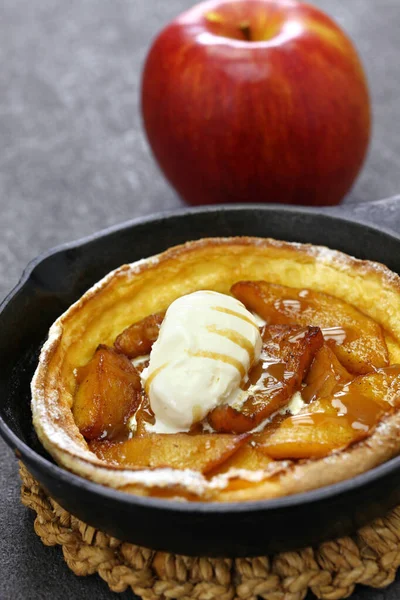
x,y
73,159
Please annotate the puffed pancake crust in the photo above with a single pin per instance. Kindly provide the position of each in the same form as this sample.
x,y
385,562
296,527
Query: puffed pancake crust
x,y
133,292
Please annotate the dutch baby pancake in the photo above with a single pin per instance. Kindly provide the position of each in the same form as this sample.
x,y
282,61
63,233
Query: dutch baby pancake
x,y
225,369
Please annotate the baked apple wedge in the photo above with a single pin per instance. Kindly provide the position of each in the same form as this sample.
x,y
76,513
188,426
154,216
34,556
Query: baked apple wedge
x,y
108,394
356,339
247,457
137,339
202,452
324,375
286,356
311,435
334,422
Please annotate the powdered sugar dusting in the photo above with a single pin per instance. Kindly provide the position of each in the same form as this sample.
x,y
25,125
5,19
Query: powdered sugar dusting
x,y
195,482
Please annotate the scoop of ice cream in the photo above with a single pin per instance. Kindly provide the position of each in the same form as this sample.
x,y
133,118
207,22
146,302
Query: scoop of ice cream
x,y
206,346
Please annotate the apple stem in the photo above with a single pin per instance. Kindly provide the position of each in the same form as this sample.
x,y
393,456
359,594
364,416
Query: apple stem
x,y
246,31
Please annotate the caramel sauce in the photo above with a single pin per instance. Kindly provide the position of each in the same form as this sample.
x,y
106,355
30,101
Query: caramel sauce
x,y
268,374
321,419
228,311
290,307
144,415
223,358
152,377
118,433
122,432
354,408
255,374
318,419
236,338
196,413
339,335
296,337
360,411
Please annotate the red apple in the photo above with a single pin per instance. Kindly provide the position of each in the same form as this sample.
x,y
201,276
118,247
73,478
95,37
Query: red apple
x,y
256,101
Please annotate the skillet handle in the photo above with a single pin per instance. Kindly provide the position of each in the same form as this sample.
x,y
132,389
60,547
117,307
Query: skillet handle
x,y
383,213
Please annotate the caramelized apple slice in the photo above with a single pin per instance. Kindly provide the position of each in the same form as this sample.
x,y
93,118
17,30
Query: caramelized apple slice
x,y
108,393
336,421
324,375
286,356
175,450
356,339
312,435
224,418
247,457
138,339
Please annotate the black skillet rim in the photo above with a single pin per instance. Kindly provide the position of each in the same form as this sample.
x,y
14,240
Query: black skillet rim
x,y
310,497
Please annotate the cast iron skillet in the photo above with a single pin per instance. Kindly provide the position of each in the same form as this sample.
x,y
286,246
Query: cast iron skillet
x,y
53,281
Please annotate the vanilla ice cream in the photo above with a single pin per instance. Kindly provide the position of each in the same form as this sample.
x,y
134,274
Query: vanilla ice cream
x,y
206,346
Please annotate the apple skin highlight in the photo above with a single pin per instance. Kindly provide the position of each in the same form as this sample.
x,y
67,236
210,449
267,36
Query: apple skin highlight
x,y
256,101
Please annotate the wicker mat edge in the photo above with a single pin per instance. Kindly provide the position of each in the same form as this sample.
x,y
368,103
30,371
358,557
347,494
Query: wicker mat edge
x,y
331,571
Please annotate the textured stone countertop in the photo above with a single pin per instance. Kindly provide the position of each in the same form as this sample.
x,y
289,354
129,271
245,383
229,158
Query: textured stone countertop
x,y
73,159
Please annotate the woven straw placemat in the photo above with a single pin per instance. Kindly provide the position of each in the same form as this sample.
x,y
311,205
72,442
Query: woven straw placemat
x,y
331,571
